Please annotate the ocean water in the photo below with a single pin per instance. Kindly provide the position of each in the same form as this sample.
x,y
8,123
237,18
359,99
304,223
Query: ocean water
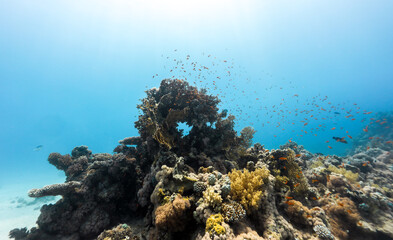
x,y
72,73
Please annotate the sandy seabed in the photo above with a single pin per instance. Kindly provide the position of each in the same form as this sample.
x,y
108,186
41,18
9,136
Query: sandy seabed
x,y
17,210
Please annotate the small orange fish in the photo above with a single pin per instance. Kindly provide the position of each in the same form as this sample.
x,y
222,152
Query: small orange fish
x,y
364,164
358,186
314,198
283,158
290,203
314,180
309,216
333,128
298,155
368,148
326,141
349,211
340,204
327,195
297,176
330,147
286,182
349,136
289,198
285,168
297,184
341,166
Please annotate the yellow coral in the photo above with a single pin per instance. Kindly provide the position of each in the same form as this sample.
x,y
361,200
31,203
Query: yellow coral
x,y
351,176
211,197
213,224
317,163
246,186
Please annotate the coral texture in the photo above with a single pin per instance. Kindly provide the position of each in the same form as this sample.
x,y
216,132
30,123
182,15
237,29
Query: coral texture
x,y
211,183
246,186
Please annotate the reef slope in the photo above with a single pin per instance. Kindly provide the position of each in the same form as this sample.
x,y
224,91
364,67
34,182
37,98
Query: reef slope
x,y
212,183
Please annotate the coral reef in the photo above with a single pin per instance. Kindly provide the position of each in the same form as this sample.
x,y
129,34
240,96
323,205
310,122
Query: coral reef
x,y
213,184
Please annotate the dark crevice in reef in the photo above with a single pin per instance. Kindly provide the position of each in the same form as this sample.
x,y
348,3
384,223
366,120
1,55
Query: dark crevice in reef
x,y
211,183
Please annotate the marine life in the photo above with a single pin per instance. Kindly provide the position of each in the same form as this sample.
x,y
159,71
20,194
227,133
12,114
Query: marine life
x,y
227,178
38,148
340,139
204,121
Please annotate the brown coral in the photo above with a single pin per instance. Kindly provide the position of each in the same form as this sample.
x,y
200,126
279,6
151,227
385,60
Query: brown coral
x,y
172,216
120,232
343,217
298,213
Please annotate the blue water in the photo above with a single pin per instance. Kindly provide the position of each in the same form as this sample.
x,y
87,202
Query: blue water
x,y
72,73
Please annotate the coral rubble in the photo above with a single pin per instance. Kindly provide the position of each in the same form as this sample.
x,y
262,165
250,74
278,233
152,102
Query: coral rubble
x,y
212,183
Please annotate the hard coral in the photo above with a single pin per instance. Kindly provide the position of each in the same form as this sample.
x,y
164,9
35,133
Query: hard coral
x,y
214,224
232,211
172,215
212,198
61,162
120,232
351,176
323,232
246,186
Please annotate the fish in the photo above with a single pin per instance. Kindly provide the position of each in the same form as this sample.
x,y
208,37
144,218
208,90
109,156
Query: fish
x,y
38,148
330,147
340,139
298,155
297,184
333,128
314,180
290,203
289,198
283,158
349,136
